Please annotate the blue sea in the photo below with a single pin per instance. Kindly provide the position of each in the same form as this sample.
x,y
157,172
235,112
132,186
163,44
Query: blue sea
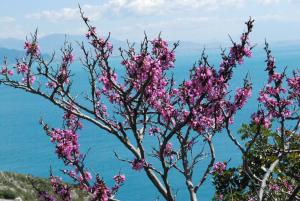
x,y
24,148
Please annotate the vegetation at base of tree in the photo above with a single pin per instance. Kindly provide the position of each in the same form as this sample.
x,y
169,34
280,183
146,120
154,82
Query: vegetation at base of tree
x,y
13,185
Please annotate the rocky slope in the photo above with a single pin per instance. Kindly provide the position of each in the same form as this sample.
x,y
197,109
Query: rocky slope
x,y
18,187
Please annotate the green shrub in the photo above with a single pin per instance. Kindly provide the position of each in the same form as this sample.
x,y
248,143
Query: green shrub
x,y
7,194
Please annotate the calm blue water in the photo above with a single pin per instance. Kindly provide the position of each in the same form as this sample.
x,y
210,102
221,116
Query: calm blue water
x,y
24,148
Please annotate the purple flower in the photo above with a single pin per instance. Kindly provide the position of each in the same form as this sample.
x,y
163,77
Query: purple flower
x,y
219,168
138,164
119,178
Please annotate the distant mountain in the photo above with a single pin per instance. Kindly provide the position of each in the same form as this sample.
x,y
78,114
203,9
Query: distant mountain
x,y
54,42
10,54
50,43
11,43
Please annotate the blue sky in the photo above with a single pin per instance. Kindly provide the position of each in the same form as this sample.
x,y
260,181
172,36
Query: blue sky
x,y
190,20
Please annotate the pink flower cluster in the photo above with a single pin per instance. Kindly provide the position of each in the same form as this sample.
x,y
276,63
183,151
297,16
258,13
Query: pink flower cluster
x,y
68,58
274,187
103,46
288,186
67,146
5,71
153,130
81,178
260,118
168,151
277,100
99,191
22,68
219,168
63,190
51,85
100,108
29,79
108,81
241,96
63,74
91,32
294,85
138,164
119,181
149,70
72,121
32,48
205,94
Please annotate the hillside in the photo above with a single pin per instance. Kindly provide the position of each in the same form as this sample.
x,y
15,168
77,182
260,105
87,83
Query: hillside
x,y
18,187
10,54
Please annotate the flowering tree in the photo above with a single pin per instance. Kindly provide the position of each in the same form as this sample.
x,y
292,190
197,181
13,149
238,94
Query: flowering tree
x,y
271,158
147,103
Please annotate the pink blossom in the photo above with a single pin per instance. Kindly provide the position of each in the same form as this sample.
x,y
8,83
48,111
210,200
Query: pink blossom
x,y
22,68
119,178
242,96
259,118
10,72
247,52
91,32
153,130
5,71
67,146
61,189
31,48
138,164
100,191
30,79
51,85
88,175
274,187
219,168
275,77
288,186
168,149
68,58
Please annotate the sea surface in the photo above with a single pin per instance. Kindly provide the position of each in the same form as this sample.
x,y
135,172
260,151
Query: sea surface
x,y
24,148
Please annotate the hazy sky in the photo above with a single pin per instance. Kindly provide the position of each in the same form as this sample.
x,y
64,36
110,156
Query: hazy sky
x,y
191,20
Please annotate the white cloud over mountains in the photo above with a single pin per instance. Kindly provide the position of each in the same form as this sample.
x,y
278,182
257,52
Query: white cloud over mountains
x,y
135,7
146,7
178,19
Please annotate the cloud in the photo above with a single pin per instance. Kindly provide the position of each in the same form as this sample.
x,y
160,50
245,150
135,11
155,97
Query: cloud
x,y
52,15
201,19
279,17
268,2
134,7
147,7
9,28
6,19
